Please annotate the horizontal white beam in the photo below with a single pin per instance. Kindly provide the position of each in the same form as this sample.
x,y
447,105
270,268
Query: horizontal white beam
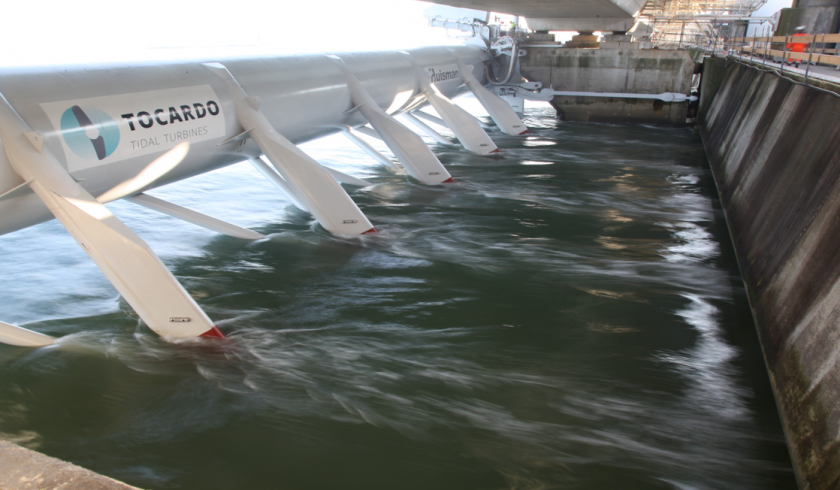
x,y
193,217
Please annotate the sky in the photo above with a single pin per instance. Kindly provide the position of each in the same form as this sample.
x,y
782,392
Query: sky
x,y
44,32
767,10
47,32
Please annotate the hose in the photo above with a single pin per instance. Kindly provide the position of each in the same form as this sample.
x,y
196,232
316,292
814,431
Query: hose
x,y
513,55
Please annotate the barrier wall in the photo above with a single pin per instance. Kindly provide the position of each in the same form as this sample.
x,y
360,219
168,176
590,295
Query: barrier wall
x,y
774,150
626,70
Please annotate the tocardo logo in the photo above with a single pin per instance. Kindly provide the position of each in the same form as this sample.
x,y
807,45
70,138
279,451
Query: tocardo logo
x,y
98,131
89,132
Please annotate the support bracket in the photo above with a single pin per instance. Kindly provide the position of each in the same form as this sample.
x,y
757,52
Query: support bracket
x,y
310,183
409,148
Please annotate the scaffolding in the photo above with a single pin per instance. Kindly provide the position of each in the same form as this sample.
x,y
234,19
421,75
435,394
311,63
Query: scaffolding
x,y
698,24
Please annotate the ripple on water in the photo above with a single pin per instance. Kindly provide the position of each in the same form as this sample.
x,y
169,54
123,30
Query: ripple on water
x,y
560,318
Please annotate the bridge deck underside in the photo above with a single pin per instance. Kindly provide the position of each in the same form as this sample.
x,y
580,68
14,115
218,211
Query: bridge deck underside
x,y
536,9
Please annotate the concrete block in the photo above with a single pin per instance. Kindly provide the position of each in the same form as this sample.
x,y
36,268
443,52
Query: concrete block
x,y
539,38
619,45
583,40
617,38
613,70
22,469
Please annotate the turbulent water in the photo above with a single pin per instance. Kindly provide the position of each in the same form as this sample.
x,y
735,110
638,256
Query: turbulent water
x,y
566,316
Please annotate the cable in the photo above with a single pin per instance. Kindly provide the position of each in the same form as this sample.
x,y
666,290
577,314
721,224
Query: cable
x,y
513,55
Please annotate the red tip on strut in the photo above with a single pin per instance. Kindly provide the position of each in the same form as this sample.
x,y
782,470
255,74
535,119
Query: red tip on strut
x,y
372,230
496,151
213,332
527,131
450,180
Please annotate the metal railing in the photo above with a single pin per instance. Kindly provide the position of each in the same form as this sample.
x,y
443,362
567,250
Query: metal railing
x,y
819,50
771,52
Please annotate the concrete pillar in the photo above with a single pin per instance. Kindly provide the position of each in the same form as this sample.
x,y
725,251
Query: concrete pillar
x,y
584,39
818,17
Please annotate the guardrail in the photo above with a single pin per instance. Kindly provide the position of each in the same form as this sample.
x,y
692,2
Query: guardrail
x,y
820,50
751,45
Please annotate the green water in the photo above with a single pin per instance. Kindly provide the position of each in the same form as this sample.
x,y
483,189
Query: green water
x,y
567,316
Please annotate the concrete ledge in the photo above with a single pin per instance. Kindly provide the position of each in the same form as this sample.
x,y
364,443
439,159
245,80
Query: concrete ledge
x,y
22,469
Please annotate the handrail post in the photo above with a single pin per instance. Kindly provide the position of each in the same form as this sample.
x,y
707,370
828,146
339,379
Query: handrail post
x,y
822,49
810,56
714,40
717,34
766,48
653,32
679,44
784,52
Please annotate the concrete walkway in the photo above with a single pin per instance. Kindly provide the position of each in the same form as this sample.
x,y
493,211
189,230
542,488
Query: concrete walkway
x,y
22,469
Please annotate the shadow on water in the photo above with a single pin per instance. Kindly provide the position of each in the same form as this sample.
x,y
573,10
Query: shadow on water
x,y
566,316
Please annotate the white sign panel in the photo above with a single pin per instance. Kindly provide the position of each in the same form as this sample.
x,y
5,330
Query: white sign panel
x,y
102,130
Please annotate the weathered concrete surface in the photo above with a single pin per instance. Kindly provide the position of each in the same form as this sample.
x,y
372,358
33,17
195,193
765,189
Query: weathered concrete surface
x,y
818,17
774,149
713,73
22,469
642,71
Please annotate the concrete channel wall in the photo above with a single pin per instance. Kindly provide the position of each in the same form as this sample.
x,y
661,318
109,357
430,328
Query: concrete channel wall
x,y
624,70
774,150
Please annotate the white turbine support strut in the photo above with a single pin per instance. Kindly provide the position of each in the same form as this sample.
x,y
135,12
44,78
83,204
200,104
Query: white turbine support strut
x,y
436,120
364,145
155,170
310,183
547,94
125,259
461,122
368,132
484,124
432,119
426,129
499,110
665,96
409,148
275,179
14,335
16,191
194,217
347,179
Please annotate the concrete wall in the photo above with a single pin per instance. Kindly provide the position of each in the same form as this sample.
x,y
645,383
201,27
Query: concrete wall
x,y
22,469
817,19
627,70
774,149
